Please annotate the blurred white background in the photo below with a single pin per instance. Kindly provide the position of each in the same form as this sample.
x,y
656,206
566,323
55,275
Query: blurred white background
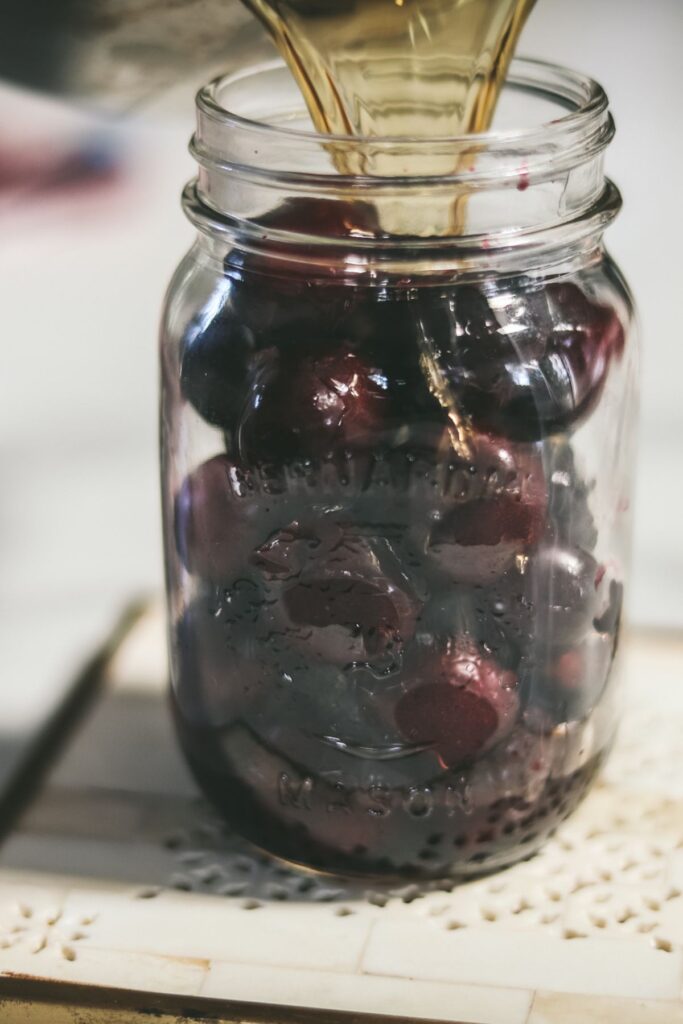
x,y
82,284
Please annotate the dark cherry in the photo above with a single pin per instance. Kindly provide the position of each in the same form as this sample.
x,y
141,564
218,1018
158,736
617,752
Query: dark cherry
x,y
278,296
560,583
210,533
497,511
215,355
217,677
516,772
528,360
315,407
499,642
567,685
285,306
568,497
346,601
234,667
386,326
221,511
268,300
609,620
306,218
581,675
459,702
285,553
551,599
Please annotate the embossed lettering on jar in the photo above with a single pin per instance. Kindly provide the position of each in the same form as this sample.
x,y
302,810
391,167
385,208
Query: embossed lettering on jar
x,y
396,475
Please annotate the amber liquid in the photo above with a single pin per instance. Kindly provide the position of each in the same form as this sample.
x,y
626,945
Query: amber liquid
x,y
406,68
397,67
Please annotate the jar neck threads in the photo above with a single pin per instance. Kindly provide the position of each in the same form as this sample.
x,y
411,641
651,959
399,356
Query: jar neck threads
x,y
499,200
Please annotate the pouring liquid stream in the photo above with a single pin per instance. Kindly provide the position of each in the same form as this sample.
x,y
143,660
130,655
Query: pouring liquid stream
x,y
415,69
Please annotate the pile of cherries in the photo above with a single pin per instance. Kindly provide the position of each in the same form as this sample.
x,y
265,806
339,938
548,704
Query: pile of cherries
x,y
395,586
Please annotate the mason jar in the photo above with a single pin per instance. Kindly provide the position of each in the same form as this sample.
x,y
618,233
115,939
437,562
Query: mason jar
x,y
397,423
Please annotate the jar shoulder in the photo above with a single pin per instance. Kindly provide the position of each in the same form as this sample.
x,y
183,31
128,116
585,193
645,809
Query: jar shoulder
x,y
607,282
193,291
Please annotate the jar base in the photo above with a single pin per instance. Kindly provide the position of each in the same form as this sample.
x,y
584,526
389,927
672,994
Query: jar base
x,y
453,844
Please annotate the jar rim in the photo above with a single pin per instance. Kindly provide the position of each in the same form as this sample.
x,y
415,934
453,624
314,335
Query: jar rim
x,y
525,191
584,97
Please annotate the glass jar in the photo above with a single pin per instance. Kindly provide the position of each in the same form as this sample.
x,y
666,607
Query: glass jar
x,y
397,424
